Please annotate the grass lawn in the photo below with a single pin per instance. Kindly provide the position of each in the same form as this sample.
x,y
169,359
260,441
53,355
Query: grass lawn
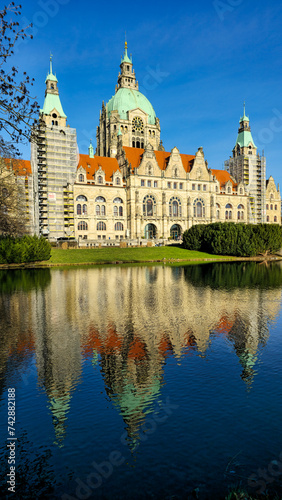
x,y
116,254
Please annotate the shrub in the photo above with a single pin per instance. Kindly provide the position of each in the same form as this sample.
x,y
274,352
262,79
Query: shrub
x,y
26,249
228,238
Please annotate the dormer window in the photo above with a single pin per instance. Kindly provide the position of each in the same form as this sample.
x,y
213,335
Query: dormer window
x,y
100,179
81,178
117,181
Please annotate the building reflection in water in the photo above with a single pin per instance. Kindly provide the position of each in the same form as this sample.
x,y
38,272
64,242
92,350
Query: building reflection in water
x,y
128,320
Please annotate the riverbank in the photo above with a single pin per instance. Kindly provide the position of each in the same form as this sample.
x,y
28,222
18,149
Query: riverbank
x,y
116,255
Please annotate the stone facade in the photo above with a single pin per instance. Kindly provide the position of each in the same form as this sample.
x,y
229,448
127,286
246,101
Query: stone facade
x,y
132,188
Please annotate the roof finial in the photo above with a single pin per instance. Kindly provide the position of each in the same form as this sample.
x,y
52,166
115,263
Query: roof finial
x,y
125,42
51,55
244,108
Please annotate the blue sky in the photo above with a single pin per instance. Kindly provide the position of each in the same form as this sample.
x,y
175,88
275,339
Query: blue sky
x,y
196,61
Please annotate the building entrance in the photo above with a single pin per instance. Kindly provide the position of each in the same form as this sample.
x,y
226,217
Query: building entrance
x,y
150,231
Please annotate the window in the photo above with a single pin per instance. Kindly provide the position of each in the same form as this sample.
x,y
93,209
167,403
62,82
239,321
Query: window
x,y
241,190
175,185
271,207
169,185
84,209
275,218
78,209
115,211
81,198
118,200
275,207
204,187
81,178
155,184
199,208
117,181
193,187
181,185
267,206
229,189
149,184
103,210
217,211
228,212
82,226
267,218
100,179
142,182
149,206
199,187
100,199
101,226
98,210
120,211
118,226
175,207
240,213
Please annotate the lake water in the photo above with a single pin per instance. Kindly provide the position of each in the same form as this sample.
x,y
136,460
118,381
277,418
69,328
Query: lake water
x,y
142,382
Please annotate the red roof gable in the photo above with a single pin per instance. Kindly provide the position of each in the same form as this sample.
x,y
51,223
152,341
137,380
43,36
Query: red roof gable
x,y
91,165
223,176
135,155
20,167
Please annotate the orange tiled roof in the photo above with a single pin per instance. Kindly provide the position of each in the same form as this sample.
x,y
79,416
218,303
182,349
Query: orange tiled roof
x,y
20,167
223,176
91,165
134,156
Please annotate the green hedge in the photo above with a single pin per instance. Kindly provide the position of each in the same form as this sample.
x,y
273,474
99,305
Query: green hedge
x,y
228,238
26,249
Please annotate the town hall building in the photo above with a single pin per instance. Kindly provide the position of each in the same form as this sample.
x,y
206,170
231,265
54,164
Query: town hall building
x,y
131,188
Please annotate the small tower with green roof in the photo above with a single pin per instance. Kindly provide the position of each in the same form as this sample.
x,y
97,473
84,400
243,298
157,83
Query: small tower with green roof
x,y
52,111
248,167
126,77
54,161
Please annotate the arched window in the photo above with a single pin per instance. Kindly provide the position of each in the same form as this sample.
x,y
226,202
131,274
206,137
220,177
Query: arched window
x,y
275,207
175,207
84,209
267,218
120,211
103,210
117,181
115,211
229,189
82,226
118,226
149,206
100,179
217,211
81,178
240,213
101,226
97,209
228,212
275,218
78,209
199,208
267,206
271,207
117,200
100,199
81,197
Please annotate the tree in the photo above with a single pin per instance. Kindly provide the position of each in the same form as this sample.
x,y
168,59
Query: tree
x,y
18,108
12,197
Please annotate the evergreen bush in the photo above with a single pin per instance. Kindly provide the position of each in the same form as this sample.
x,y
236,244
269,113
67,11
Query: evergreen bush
x,y
228,238
15,250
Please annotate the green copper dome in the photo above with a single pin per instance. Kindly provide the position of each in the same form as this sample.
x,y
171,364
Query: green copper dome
x,y
128,99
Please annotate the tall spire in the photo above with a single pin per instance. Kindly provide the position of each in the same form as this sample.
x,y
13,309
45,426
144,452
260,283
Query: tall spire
x,y
244,118
51,72
126,77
